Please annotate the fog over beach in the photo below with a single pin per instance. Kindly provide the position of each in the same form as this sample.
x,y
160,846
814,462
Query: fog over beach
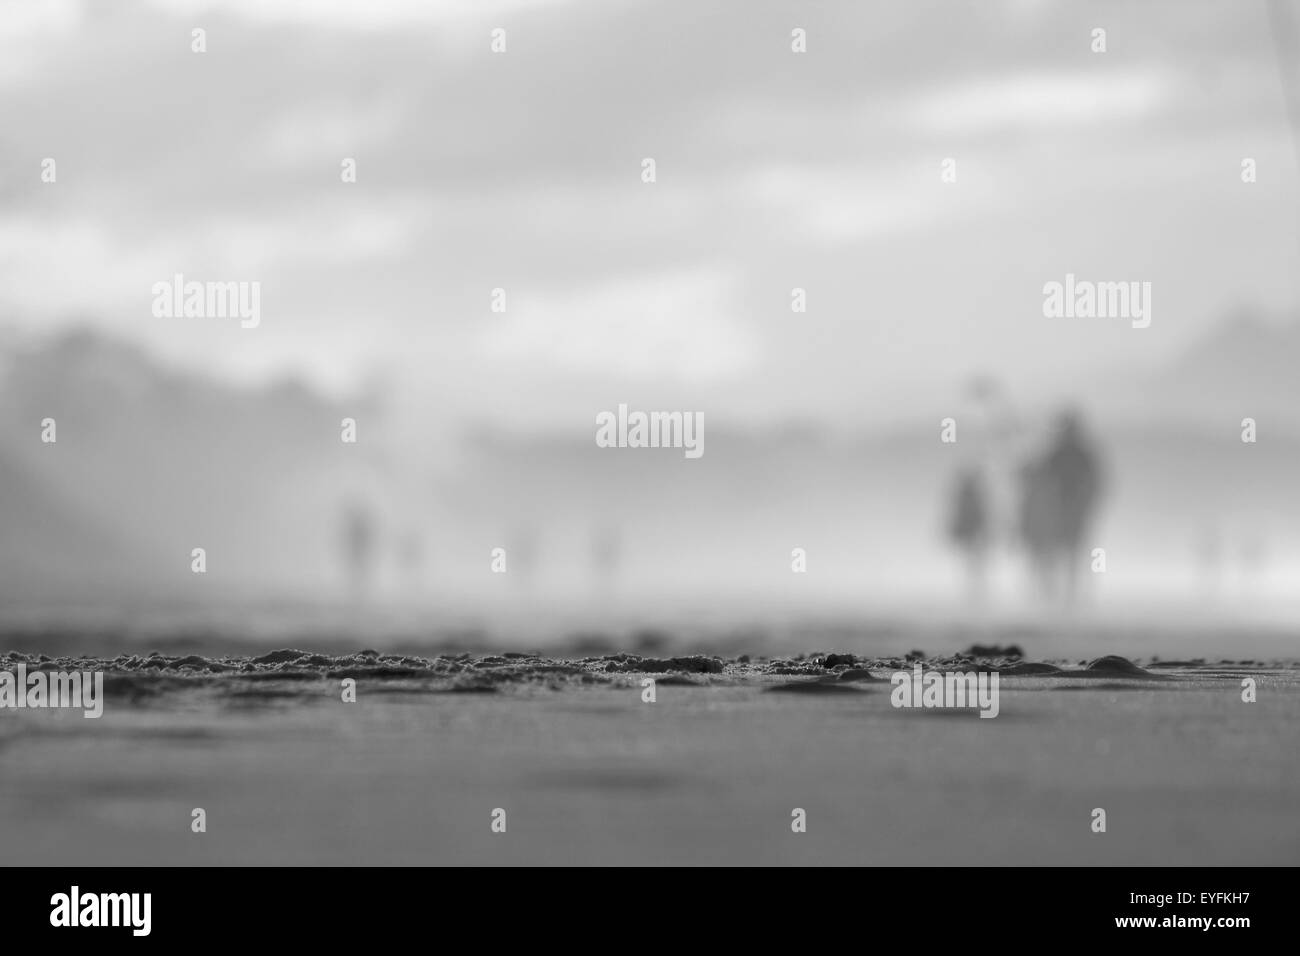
x,y
595,412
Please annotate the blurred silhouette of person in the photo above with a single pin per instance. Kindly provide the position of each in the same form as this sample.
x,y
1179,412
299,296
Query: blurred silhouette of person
x,y
1073,466
358,546
1060,491
969,526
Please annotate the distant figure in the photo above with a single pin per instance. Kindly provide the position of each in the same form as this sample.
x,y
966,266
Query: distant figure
x,y
1059,495
969,527
358,546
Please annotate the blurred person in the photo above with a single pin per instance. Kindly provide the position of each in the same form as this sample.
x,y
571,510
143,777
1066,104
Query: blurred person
x,y
1060,491
358,543
969,526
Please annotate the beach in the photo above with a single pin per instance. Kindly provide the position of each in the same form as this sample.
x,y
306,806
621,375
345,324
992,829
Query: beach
x,y
588,771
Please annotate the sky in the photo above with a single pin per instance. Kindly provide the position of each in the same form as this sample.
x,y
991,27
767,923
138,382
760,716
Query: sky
x,y
522,170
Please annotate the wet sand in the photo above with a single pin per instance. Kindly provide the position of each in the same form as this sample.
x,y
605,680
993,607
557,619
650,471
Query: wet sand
x,y
288,773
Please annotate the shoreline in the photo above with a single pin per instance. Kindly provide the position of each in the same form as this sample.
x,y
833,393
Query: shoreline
x,y
708,771
129,675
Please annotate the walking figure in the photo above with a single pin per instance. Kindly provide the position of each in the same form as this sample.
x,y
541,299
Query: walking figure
x,y
1060,492
969,528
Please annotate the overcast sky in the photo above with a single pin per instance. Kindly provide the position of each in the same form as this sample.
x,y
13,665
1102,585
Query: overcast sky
x,y
523,170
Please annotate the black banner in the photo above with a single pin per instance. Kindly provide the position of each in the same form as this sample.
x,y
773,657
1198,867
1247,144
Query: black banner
x,y
332,905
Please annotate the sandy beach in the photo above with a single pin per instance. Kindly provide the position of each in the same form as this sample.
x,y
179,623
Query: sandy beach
x,y
588,772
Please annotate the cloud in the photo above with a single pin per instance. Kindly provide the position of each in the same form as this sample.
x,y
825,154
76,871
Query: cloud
x,y
475,171
25,21
655,328
26,28
350,14
837,203
1040,101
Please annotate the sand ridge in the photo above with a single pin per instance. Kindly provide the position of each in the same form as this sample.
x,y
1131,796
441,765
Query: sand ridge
x,y
292,672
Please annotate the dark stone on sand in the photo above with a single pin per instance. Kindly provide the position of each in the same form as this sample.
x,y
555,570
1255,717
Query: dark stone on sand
x,y
812,687
192,660
1029,667
369,652
630,663
1114,664
279,675
378,671
280,656
697,664
1117,667
858,675
471,689
835,660
677,680
794,668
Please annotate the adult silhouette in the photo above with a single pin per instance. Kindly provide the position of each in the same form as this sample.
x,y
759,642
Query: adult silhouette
x,y
1060,491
